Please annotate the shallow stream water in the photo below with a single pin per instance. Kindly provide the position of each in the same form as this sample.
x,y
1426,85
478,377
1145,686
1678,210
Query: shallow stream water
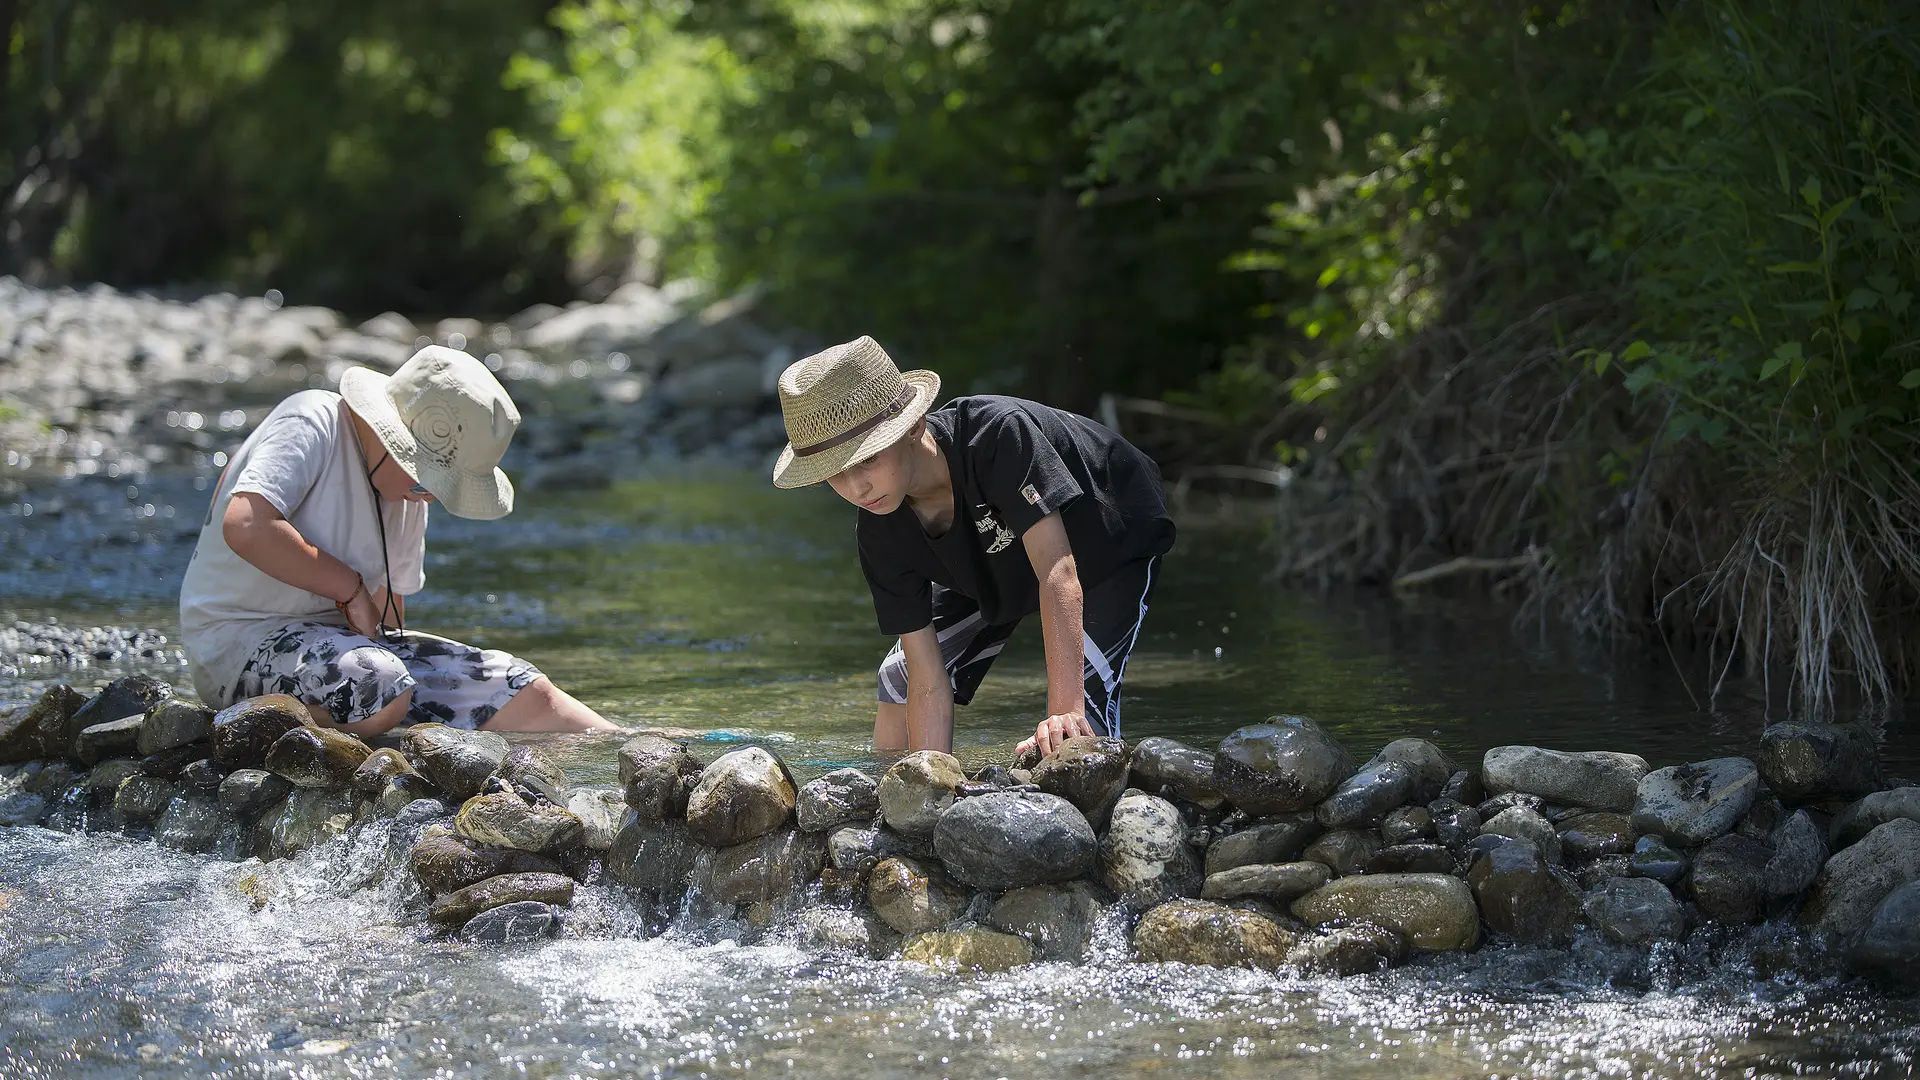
x,y
710,603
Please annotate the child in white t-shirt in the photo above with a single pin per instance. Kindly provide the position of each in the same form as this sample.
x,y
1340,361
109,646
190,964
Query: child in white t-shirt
x,y
317,535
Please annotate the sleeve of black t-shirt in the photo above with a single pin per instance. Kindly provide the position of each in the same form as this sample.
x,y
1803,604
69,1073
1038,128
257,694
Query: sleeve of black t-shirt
x,y
902,596
1022,474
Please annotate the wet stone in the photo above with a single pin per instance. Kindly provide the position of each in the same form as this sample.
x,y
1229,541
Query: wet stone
x,y
1873,811
168,764
1058,919
1798,853
518,923
599,811
131,695
24,733
378,770
1590,836
918,789
1010,839
1363,797
1889,943
312,757
455,908
1205,933
1524,824
1144,856
1349,950
654,856
743,794
423,812
1500,804
310,818
972,948
104,781
775,867
1523,897
1276,881
913,897
1088,771
245,731
190,823
455,761
1430,765
505,820
22,808
175,723
836,798
1655,858
1597,779
1411,859
1634,911
529,768
834,929
1407,825
1604,868
1857,878
1765,816
1728,880
1345,851
854,850
1183,771
657,774
246,793
110,739
1434,912
142,799
1278,840
403,791
1287,764
1802,761
1464,787
446,864
203,777
1454,823
1691,804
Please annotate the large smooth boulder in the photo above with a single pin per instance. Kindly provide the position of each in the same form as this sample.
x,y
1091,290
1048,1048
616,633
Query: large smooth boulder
x,y
1728,879
913,897
657,774
503,819
971,948
743,794
654,856
1434,912
1089,771
1856,879
457,762
39,731
455,908
1524,897
1202,932
1009,839
173,723
313,757
1798,853
1523,824
1365,796
130,695
1057,918
1594,778
1275,881
1889,943
1144,856
1168,766
1431,767
1634,911
772,868
1691,804
1276,840
1288,763
108,739
836,798
1873,811
1801,761
918,789
446,864
244,731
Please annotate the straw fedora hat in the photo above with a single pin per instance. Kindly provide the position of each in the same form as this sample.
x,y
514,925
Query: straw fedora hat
x,y
447,421
842,406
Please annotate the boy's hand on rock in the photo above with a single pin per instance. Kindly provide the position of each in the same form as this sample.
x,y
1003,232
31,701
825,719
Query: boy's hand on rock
x,y
1055,730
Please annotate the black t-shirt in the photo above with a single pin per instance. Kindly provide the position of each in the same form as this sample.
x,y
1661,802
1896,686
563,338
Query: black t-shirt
x,y
1012,463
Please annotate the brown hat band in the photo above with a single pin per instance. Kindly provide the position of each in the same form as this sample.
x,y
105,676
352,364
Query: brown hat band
x,y
900,402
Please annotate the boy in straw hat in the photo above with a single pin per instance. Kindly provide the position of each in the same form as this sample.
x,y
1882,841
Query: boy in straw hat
x,y
973,517
317,535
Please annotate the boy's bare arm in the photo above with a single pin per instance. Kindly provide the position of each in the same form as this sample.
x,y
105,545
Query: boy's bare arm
x,y
260,534
1062,626
929,693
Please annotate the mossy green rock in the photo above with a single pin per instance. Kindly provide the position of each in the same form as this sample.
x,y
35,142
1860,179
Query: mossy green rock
x,y
1202,932
1435,912
971,948
455,908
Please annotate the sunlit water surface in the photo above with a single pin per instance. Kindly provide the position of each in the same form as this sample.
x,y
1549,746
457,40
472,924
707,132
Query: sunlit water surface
x,y
713,604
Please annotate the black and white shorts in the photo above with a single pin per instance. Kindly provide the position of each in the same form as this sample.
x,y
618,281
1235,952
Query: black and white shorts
x,y
1111,614
353,676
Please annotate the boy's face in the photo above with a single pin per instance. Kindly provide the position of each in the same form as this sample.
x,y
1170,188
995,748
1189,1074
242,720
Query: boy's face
x,y
878,484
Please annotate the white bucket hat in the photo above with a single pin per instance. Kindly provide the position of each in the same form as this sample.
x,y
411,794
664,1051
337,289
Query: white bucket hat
x,y
842,406
447,421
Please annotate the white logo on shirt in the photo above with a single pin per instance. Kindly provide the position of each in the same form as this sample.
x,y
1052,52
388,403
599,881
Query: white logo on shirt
x,y
1002,536
1031,494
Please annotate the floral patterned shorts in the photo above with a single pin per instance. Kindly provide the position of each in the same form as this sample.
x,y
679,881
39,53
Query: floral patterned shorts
x,y
354,677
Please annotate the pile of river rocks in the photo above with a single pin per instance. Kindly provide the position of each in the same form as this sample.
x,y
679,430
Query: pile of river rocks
x,y
1277,849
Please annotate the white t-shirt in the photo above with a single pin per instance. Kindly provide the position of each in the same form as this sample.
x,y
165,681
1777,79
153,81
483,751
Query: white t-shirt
x,y
304,460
